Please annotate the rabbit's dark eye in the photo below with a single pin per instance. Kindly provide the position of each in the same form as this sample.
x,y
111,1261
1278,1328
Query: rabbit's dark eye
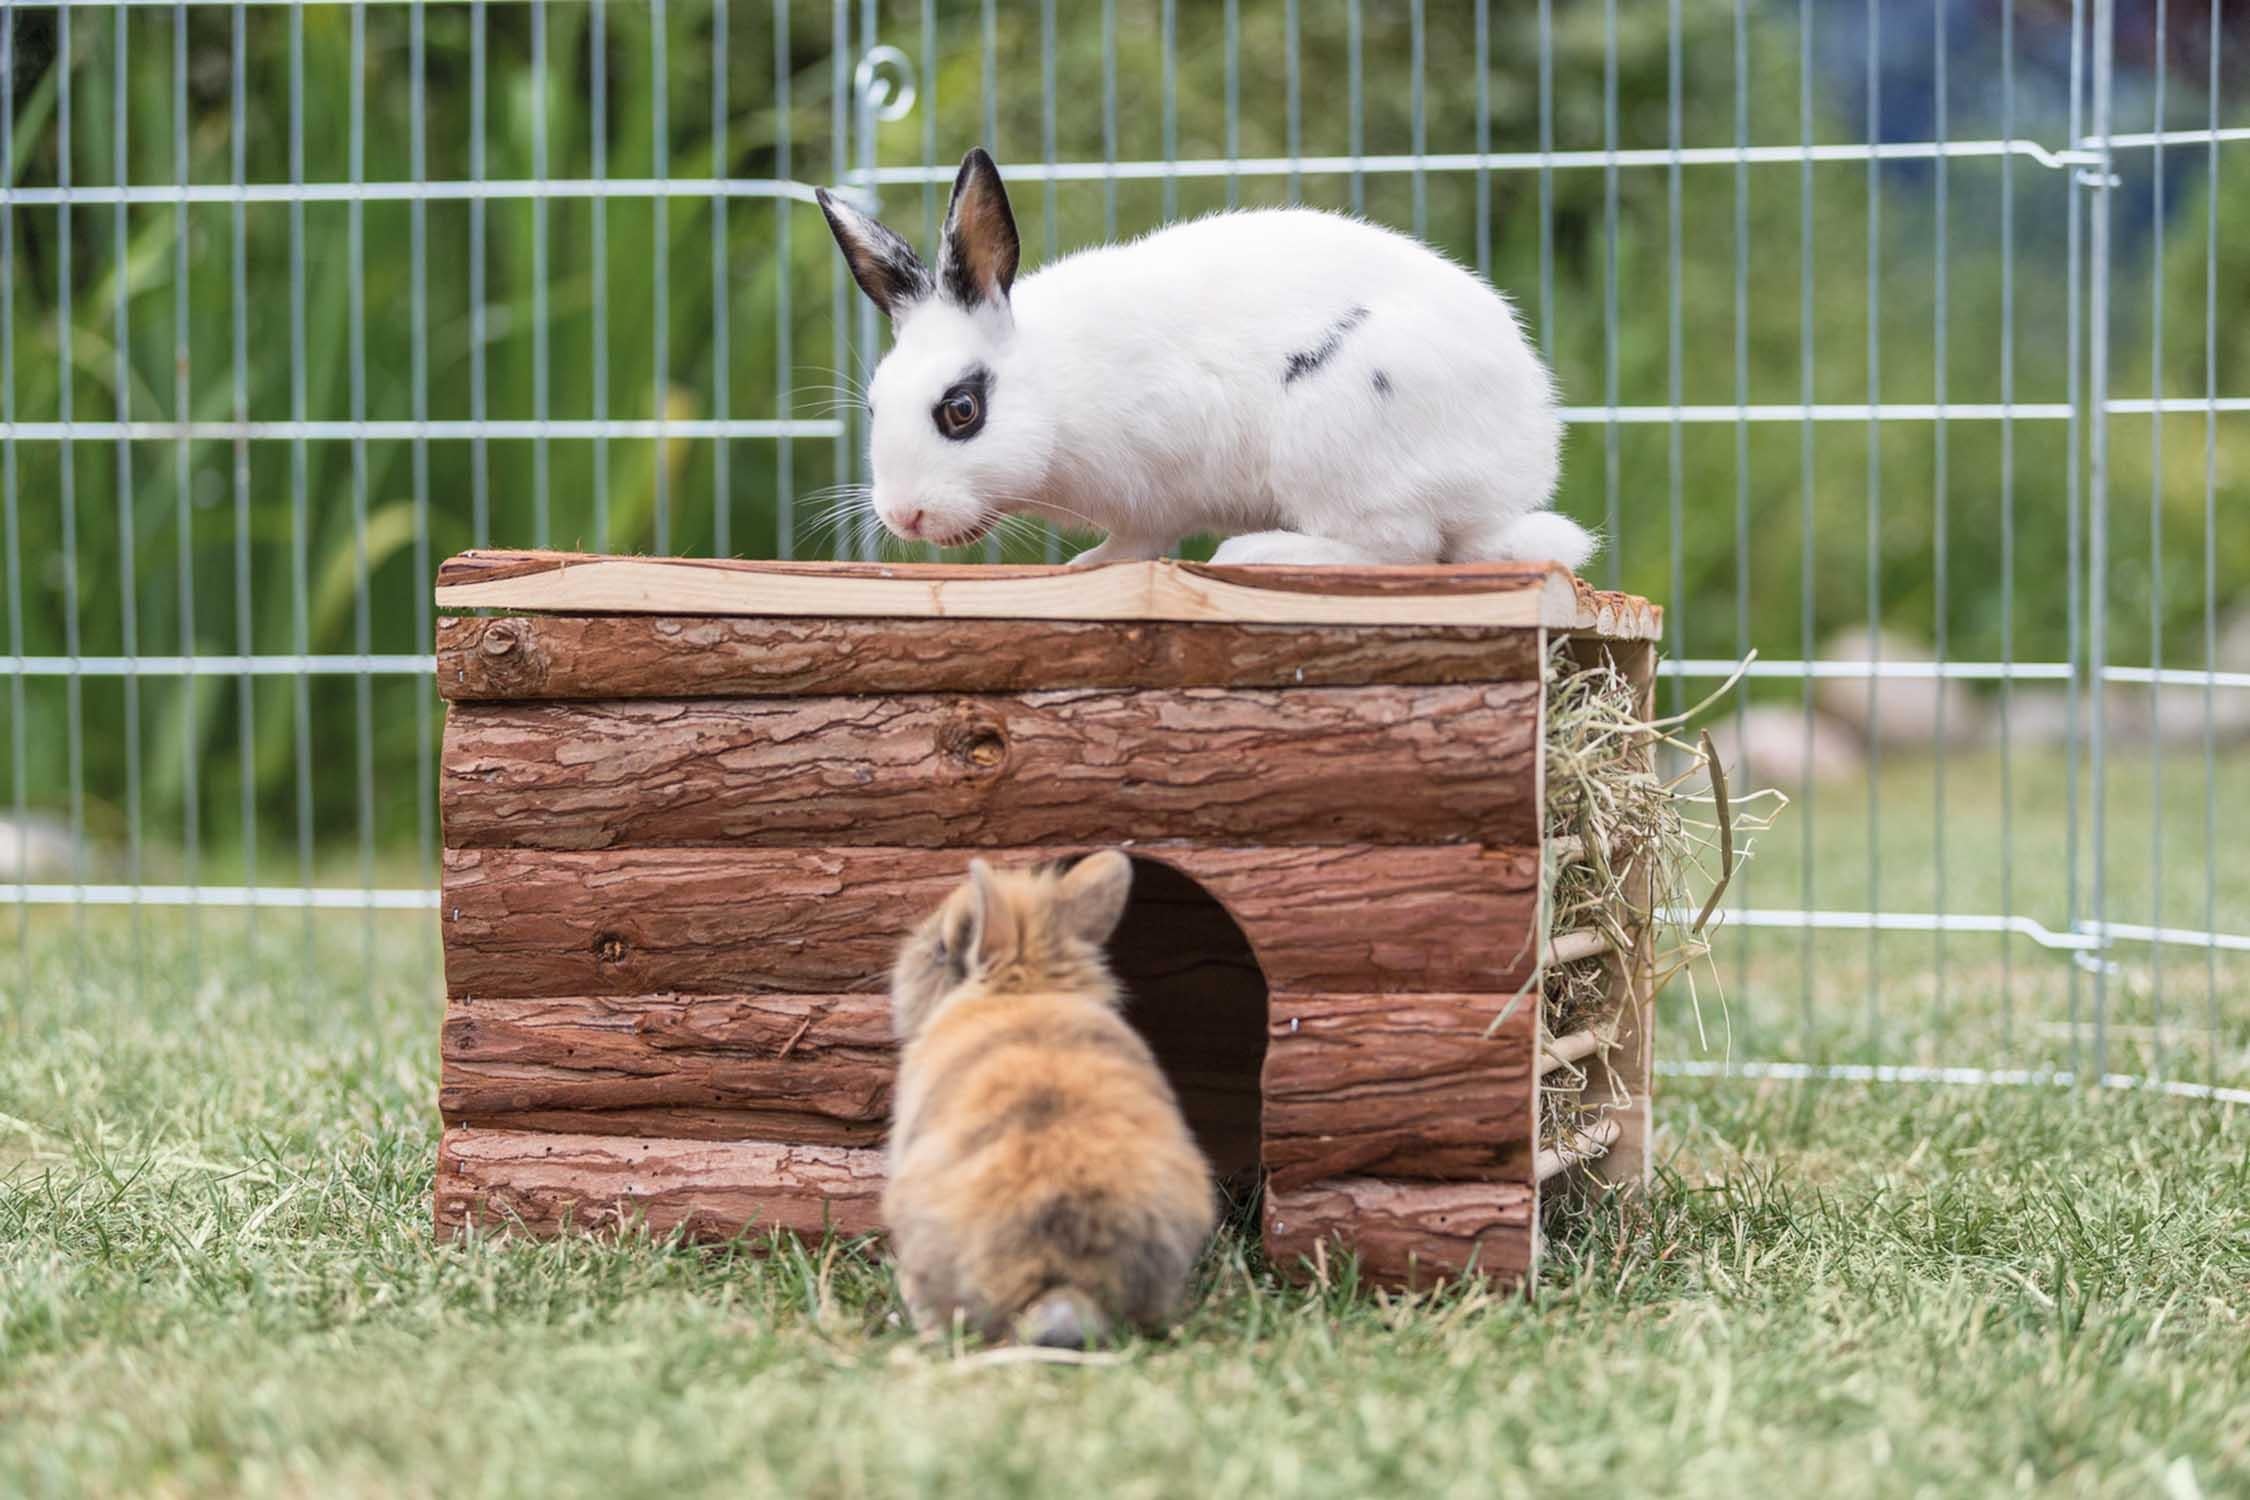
x,y
960,414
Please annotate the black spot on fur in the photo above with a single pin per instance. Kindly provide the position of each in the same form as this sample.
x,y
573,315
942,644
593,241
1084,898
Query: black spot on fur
x,y
1305,361
1382,384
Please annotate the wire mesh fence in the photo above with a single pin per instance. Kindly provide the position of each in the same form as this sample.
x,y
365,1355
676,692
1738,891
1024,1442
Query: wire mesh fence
x,y
1905,344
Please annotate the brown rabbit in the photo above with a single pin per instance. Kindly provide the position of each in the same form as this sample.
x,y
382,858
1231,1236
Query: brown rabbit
x,y
1043,1185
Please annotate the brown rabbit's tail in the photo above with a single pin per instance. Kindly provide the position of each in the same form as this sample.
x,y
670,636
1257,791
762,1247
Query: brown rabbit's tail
x,y
1064,1318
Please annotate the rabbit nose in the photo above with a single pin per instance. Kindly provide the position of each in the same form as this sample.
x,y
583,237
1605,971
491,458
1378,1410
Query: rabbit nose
x,y
911,523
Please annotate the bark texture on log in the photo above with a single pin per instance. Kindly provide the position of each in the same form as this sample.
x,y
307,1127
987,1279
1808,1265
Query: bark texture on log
x,y
544,1183
812,1069
1400,1086
556,657
1393,765
1351,920
1405,1233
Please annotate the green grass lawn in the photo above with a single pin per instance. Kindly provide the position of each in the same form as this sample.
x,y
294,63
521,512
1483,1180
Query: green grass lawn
x,y
217,1277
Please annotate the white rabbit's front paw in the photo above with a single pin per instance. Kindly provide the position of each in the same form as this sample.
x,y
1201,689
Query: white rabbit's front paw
x,y
1290,547
1115,548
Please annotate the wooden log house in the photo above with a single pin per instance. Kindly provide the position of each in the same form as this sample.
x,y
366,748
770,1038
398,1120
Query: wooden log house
x,y
690,808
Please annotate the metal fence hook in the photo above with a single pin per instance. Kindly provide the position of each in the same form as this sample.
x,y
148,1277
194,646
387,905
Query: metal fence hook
x,y
884,82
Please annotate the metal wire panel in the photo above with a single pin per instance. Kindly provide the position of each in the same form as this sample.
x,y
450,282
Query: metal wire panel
x,y
1862,312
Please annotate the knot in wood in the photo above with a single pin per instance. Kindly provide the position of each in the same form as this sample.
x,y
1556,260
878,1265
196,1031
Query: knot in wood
x,y
511,659
976,745
611,948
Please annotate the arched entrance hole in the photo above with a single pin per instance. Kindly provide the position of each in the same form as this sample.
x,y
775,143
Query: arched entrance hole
x,y
1198,997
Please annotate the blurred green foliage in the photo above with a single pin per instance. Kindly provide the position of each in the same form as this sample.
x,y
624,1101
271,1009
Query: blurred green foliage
x,y
277,547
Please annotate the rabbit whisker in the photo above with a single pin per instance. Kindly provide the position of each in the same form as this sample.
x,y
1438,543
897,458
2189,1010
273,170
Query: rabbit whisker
x,y
1076,515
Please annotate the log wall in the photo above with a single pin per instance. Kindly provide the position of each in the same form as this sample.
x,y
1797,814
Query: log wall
x,y
1405,1233
802,1069
567,657
1390,765
1413,1086
1348,920
1422,1086
546,1183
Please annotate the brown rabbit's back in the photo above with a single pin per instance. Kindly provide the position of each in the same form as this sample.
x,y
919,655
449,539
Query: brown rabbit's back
x,y
1036,1147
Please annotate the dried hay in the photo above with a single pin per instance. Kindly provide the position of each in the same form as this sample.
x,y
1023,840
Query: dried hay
x,y
1630,850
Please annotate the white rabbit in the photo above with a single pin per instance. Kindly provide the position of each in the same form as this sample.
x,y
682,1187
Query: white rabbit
x,y
1313,387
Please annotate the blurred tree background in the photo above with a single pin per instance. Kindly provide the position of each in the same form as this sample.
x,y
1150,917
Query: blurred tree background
x,y
1770,283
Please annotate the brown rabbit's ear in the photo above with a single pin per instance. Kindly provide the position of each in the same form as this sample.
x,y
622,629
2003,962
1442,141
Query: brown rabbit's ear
x,y
1091,899
993,936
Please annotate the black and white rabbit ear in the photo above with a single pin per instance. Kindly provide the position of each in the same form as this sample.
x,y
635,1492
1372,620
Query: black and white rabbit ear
x,y
885,266
977,260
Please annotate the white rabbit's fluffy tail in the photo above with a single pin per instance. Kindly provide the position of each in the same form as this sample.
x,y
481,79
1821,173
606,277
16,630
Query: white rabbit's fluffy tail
x,y
1536,536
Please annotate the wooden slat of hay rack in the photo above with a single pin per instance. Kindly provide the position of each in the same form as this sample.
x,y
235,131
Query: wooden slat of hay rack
x,y
691,807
